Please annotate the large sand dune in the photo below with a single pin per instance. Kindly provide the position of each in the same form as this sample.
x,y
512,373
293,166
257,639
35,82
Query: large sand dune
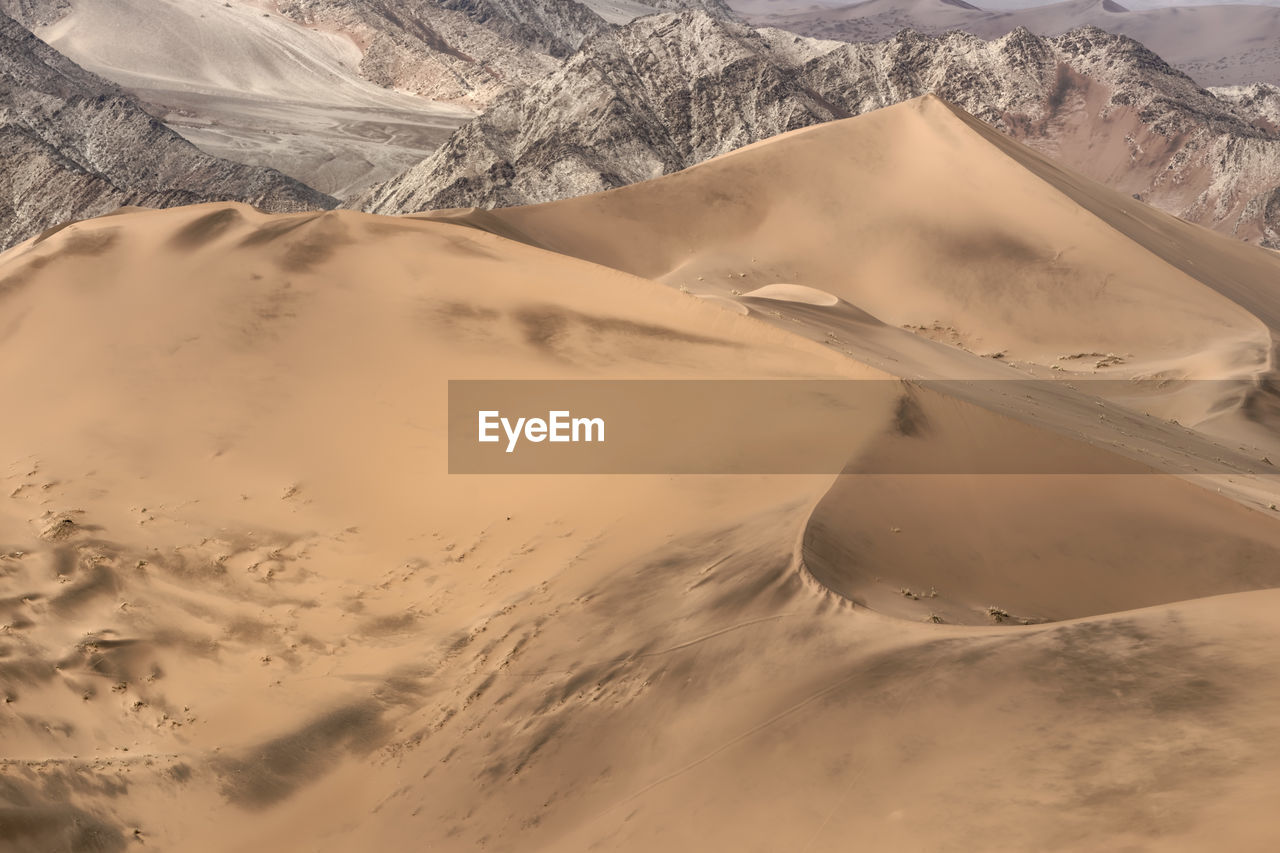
x,y
245,606
1011,256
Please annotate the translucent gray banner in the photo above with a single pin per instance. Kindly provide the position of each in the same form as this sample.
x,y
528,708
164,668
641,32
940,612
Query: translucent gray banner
x,y
836,426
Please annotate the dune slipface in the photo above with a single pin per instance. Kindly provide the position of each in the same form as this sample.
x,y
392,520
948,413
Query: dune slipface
x,y
247,607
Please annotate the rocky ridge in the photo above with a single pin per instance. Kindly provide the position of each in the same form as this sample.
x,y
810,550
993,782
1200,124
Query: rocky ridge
x,y
466,50
453,50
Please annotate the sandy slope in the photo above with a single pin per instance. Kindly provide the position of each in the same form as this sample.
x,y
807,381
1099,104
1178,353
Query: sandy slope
x,y
1052,264
245,606
255,87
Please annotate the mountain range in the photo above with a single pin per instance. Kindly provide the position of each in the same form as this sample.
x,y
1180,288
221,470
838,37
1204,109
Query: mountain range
x,y
635,100
667,92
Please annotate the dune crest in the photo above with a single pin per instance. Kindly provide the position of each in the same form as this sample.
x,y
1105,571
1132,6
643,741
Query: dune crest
x,y
794,293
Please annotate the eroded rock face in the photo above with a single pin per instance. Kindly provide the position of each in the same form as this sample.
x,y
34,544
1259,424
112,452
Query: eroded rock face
x,y
1260,101
466,50
646,100
76,146
666,92
454,50
557,27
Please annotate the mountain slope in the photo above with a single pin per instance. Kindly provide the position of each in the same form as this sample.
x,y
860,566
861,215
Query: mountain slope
x,y
649,99
484,45
77,146
556,27
666,92
444,49
255,87
251,587
452,50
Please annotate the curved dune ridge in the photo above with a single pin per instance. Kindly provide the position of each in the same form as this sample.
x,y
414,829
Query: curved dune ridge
x,y
803,294
1057,529
246,605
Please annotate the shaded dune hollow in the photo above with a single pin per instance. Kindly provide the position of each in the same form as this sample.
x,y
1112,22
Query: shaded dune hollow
x,y
959,515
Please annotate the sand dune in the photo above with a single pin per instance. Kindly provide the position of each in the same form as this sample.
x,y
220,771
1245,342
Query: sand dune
x,y
1038,548
1050,264
245,606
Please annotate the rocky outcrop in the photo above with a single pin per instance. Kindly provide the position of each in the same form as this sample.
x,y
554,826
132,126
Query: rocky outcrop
x,y
1259,101
666,92
556,27
76,146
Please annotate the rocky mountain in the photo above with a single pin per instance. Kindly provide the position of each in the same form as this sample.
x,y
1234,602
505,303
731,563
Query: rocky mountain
x,y
557,27
470,50
667,92
1216,45
645,100
77,146
452,51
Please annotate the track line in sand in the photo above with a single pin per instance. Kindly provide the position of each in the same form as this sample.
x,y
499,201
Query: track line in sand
x,y
658,653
